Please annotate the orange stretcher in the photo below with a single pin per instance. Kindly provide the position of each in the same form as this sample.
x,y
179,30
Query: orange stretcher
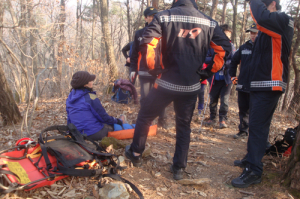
x,y
128,133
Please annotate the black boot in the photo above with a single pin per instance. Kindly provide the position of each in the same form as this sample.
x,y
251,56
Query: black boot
x,y
162,123
136,160
241,163
246,179
240,134
177,173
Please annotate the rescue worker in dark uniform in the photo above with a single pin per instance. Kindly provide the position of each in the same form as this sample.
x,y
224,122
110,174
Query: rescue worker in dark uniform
x,y
138,67
174,47
243,56
268,78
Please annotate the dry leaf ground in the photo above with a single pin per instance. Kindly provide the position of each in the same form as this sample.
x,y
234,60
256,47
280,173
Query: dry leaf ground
x,y
211,156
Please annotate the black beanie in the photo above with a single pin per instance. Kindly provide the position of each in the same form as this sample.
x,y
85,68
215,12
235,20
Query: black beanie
x,y
268,2
81,78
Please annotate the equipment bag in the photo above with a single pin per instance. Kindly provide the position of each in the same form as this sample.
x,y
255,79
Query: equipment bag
x,y
283,146
56,157
121,96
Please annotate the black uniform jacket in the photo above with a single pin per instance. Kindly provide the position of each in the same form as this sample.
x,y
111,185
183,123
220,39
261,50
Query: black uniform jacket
x,y
242,56
175,44
271,50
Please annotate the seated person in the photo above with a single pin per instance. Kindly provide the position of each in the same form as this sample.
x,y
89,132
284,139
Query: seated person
x,y
85,110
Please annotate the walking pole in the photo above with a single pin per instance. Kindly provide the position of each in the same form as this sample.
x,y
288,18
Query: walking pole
x,y
206,103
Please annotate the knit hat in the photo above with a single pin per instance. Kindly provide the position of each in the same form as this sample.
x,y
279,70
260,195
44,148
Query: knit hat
x,y
150,11
252,28
81,78
268,2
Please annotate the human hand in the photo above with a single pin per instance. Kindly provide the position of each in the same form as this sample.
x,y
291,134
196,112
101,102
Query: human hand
x,y
132,76
234,80
128,60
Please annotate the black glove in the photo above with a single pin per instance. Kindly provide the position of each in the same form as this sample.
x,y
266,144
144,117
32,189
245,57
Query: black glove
x,y
119,122
204,74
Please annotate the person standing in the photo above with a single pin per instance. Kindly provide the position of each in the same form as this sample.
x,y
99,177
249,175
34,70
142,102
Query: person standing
x,y
220,88
174,46
268,79
125,49
139,66
243,56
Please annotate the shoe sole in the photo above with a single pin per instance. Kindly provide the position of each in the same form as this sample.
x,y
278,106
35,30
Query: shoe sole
x,y
246,185
135,164
241,136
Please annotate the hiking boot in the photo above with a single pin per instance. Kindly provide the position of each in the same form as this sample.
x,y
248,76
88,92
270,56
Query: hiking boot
x,y
246,179
210,123
136,160
162,124
240,134
223,125
240,163
177,173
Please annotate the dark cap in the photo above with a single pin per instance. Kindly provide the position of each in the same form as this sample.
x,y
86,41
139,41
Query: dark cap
x,y
252,28
81,78
150,11
268,2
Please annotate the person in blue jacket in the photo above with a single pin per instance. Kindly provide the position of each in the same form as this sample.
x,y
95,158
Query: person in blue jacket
x,y
220,86
85,110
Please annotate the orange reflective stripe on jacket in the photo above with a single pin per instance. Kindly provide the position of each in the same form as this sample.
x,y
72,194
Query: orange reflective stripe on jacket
x,y
151,53
277,65
219,57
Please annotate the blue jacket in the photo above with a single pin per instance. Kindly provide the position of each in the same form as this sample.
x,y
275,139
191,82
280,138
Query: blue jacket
x,y
86,112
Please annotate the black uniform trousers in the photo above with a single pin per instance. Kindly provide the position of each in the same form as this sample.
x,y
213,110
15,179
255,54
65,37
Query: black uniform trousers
x,y
262,108
220,90
244,105
156,101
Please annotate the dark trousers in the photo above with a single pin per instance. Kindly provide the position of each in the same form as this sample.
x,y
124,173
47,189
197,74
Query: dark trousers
x,y
222,90
244,105
146,85
156,101
262,108
102,133
201,97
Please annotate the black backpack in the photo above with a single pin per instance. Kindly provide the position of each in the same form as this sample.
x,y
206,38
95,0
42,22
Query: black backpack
x,y
280,146
78,156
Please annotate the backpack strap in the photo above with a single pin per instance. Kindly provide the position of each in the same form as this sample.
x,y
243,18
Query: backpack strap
x,y
119,178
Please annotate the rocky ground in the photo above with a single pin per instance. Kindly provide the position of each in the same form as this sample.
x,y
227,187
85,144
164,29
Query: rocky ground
x,y
210,161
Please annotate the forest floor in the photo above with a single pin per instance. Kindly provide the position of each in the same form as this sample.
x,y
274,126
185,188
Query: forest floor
x,y
211,155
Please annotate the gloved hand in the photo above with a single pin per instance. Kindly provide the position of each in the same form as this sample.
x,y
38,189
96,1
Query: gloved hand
x,y
234,80
204,74
119,122
132,76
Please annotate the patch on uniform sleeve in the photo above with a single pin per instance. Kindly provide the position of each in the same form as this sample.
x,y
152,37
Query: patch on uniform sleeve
x,y
92,96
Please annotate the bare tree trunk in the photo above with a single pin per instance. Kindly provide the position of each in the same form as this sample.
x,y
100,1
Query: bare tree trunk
x,y
128,20
234,5
225,2
148,3
245,16
93,29
23,36
107,39
155,3
296,98
8,107
62,20
213,10
292,175
284,104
